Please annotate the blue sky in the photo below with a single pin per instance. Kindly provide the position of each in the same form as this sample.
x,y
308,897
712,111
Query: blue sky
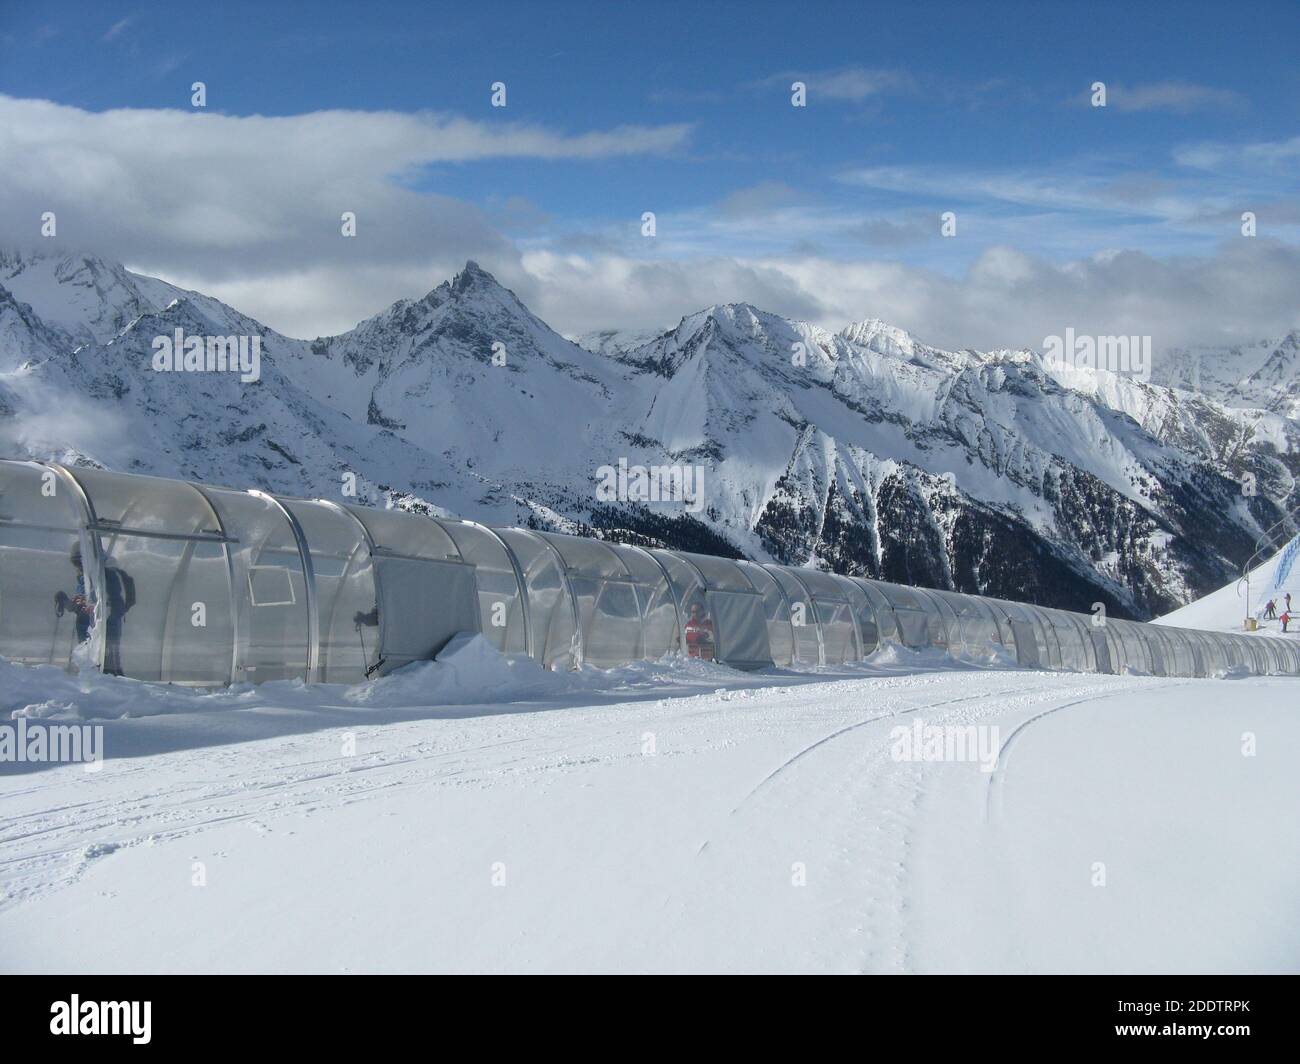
x,y
913,110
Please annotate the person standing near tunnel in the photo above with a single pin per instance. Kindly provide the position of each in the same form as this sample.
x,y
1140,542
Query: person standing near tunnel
x,y
699,633
119,597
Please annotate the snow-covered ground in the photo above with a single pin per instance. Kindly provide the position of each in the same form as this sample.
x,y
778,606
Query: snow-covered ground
x,y
471,815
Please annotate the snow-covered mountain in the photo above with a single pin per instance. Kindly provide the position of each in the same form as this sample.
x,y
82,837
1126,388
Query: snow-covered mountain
x,y
865,451
1264,374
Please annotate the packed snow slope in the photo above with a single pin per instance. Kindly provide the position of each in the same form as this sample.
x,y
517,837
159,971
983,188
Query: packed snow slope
x,y
865,450
477,815
1225,610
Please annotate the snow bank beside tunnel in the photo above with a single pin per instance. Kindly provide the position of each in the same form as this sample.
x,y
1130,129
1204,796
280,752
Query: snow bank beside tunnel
x,y
469,671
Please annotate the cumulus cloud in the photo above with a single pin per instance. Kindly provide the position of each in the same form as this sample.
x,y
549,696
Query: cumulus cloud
x,y
252,205
1245,290
248,209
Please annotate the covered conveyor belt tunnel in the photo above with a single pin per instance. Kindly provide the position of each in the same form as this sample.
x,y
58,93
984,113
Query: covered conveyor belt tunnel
x,y
179,582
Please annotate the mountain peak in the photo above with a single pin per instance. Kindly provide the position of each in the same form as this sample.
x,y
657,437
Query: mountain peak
x,y
881,336
471,277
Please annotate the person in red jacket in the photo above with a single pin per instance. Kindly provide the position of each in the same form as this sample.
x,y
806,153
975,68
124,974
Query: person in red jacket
x,y
1285,619
699,634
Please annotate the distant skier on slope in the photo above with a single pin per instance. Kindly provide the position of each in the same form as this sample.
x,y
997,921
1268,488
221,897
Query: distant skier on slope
x,y
1270,611
1288,602
1286,619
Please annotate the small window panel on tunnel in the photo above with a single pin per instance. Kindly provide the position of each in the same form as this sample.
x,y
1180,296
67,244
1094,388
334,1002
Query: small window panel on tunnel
x,y
271,585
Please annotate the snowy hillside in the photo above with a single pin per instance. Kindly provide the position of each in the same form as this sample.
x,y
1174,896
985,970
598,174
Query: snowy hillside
x,y
477,814
865,451
1225,610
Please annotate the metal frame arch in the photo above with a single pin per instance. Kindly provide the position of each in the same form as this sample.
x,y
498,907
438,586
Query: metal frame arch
x,y
235,663
309,583
853,614
672,592
704,588
520,582
939,607
789,611
579,643
869,586
191,541
371,548
812,601
89,537
627,578
852,583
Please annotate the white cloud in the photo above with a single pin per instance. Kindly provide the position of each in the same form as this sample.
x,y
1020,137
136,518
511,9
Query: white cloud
x,y
856,83
1177,97
1266,156
251,206
247,209
167,184
852,84
117,28
1245,290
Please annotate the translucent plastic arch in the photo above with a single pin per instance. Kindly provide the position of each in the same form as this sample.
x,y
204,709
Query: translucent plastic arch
x,y
165,605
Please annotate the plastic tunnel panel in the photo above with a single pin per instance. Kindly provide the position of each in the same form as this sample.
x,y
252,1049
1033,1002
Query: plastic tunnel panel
x,y
347,600
920,624
660,624
886,621
165,607
1027,647
40,540
776,608
501,601
423,604
609,606
552,611
742,629
1101,651
271,597
864,617
729,620
803,618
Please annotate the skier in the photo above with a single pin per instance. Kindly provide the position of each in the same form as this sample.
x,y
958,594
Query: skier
x,y
1288,602
120,594
1286,618
1270,611
79,602
699,634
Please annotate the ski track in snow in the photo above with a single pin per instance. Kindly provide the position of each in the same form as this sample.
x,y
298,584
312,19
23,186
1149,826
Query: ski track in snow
x,y
767,779
888,801
998,775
